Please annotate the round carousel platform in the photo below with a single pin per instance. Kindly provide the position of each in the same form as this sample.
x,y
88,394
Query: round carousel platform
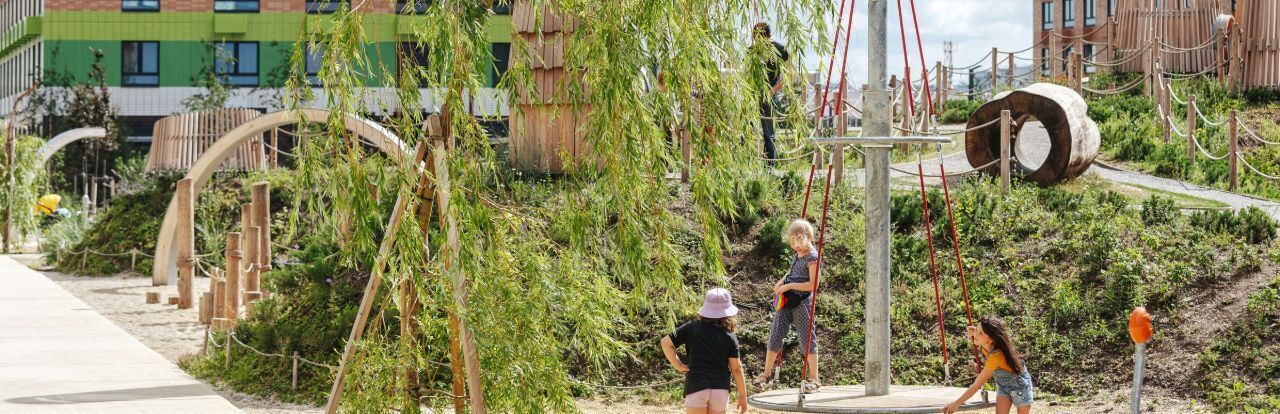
x,y
853,399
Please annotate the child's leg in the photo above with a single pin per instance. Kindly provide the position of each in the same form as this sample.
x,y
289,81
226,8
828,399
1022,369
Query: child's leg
x,y
1003,404
813,366
808,336
1026,409
769,358
777,337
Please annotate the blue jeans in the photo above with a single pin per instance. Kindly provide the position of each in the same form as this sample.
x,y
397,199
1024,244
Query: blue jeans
x,y
1014,387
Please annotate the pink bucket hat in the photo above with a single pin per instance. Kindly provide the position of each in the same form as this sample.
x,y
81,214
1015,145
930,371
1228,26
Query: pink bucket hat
x,y
718,304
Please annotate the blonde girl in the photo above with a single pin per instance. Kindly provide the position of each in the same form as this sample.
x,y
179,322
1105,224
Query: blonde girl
x,y
795,290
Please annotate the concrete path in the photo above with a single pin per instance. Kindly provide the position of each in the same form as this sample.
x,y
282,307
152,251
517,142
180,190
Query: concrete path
x,y
59,356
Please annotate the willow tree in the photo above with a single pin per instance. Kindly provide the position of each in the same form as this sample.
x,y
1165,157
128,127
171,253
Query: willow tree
x,y
544,312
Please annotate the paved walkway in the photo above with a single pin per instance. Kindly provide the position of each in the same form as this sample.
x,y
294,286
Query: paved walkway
x,y
59,356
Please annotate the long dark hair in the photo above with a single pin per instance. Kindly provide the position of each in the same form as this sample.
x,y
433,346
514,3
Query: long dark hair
x,y
995,329
729,324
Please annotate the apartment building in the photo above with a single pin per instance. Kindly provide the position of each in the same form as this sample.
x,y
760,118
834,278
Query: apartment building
x,y
155,52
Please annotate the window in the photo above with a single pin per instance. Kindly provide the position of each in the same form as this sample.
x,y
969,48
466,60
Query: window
x,y
1046,15
1044,61
323,6
140,63
314,59
1088,54
140,5
501,57
502,7
412,6
413,56
235,6
238,62
1068,13
1111,8
1090,15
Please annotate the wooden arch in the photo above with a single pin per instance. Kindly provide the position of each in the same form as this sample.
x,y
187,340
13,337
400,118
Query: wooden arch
x,y
166,254
52,146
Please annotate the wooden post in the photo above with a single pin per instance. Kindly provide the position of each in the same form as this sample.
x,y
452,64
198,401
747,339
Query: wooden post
x,y
427,191
173,300
275,147
366,302
1006,121
1012,66
93,194
1191,128
220,305
186,243
206,308
1232,146
842,129
1147,70
252,237
1165,97
450,255
937,82
686,154
995,61
294,383
153,298
1053,54
1112,33
234,266
261,196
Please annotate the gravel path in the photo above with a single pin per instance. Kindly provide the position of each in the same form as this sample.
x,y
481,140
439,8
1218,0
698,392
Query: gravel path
x,y
1032,147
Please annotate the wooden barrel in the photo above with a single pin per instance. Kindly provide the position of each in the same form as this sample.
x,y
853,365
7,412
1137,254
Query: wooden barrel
x,y
1074,138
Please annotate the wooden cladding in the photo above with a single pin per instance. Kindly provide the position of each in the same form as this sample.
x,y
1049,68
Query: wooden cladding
x,y
549,120
179,140
1261,42
1178,27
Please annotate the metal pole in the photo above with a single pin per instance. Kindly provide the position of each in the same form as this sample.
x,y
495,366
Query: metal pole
x,y
1139,362
877,123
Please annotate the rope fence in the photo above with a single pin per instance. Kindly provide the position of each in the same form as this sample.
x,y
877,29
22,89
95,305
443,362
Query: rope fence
x,y
1254,135
1121,89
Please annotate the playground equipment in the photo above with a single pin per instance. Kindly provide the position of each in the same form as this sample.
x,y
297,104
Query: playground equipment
x,y
1074,138
166,255
52,146
178,141
877,395
1140,332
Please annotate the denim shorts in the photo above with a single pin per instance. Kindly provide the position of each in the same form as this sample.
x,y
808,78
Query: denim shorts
x,y
1014,387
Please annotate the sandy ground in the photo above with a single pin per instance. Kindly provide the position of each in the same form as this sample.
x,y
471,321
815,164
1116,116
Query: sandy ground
x,y
176,333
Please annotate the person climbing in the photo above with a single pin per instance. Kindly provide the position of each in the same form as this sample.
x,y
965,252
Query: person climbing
x,y
1003,361
795,304
712,348
776,56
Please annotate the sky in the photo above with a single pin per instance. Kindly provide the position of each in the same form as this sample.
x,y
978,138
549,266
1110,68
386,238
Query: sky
x,y
974,26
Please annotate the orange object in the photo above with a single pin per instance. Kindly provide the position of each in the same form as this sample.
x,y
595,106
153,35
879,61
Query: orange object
x,y
1140,325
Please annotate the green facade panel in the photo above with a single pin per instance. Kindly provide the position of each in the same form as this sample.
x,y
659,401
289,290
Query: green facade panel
x,y
66,25
20,34
75,58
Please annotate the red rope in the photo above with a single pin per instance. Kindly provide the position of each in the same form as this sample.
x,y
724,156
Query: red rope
x,y
933,267
831,63
955,241
813,304
920,47
844,61
906,63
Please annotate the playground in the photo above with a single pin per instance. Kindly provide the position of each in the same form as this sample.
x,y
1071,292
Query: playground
x,y
383,243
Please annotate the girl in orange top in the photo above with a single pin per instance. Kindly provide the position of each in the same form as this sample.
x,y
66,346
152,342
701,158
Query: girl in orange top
x,y
1013,382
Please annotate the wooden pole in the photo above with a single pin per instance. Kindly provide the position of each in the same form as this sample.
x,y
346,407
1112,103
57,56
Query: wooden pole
x,y
427,192
1147,72
219,304
686,154
451,254
1191,128
261,196
186,243
252,236
275,147
366,302
937,82
1165,97
1006,128
1012,66
1053,54
1232,145
234,265
995,62
294,384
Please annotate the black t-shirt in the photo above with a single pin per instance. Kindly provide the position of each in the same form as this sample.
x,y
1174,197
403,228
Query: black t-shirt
x,y
772,66
709,348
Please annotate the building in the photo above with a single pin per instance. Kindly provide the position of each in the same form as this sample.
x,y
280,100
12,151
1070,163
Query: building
x,y
156,51
1061,27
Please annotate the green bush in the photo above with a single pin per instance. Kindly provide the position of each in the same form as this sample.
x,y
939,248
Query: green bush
x,y
1108,107
771,240
958,111
1158,210
1250,224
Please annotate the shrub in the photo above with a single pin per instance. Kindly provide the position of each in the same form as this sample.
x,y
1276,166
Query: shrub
x,y
1251,224
770,241
1158,210
955,111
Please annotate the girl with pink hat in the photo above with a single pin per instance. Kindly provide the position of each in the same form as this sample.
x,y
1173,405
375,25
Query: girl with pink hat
x,y
712,350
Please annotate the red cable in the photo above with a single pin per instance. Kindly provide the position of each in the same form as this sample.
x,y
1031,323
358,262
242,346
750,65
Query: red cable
x,y
906,62
831,63
920,47
955,241
844,61
813,304
933,267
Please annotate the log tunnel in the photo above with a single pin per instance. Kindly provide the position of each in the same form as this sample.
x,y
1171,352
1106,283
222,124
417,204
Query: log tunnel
x,y
1074,138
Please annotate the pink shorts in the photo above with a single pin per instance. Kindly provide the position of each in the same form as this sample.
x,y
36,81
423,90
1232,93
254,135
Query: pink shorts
x,y
716,401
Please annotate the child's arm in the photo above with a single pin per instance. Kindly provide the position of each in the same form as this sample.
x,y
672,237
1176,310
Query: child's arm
x,y
669,349
973,389
740,381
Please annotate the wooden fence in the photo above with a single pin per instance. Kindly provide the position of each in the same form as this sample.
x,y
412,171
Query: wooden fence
x,y
1260,23
544,124
1182,33
179,140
